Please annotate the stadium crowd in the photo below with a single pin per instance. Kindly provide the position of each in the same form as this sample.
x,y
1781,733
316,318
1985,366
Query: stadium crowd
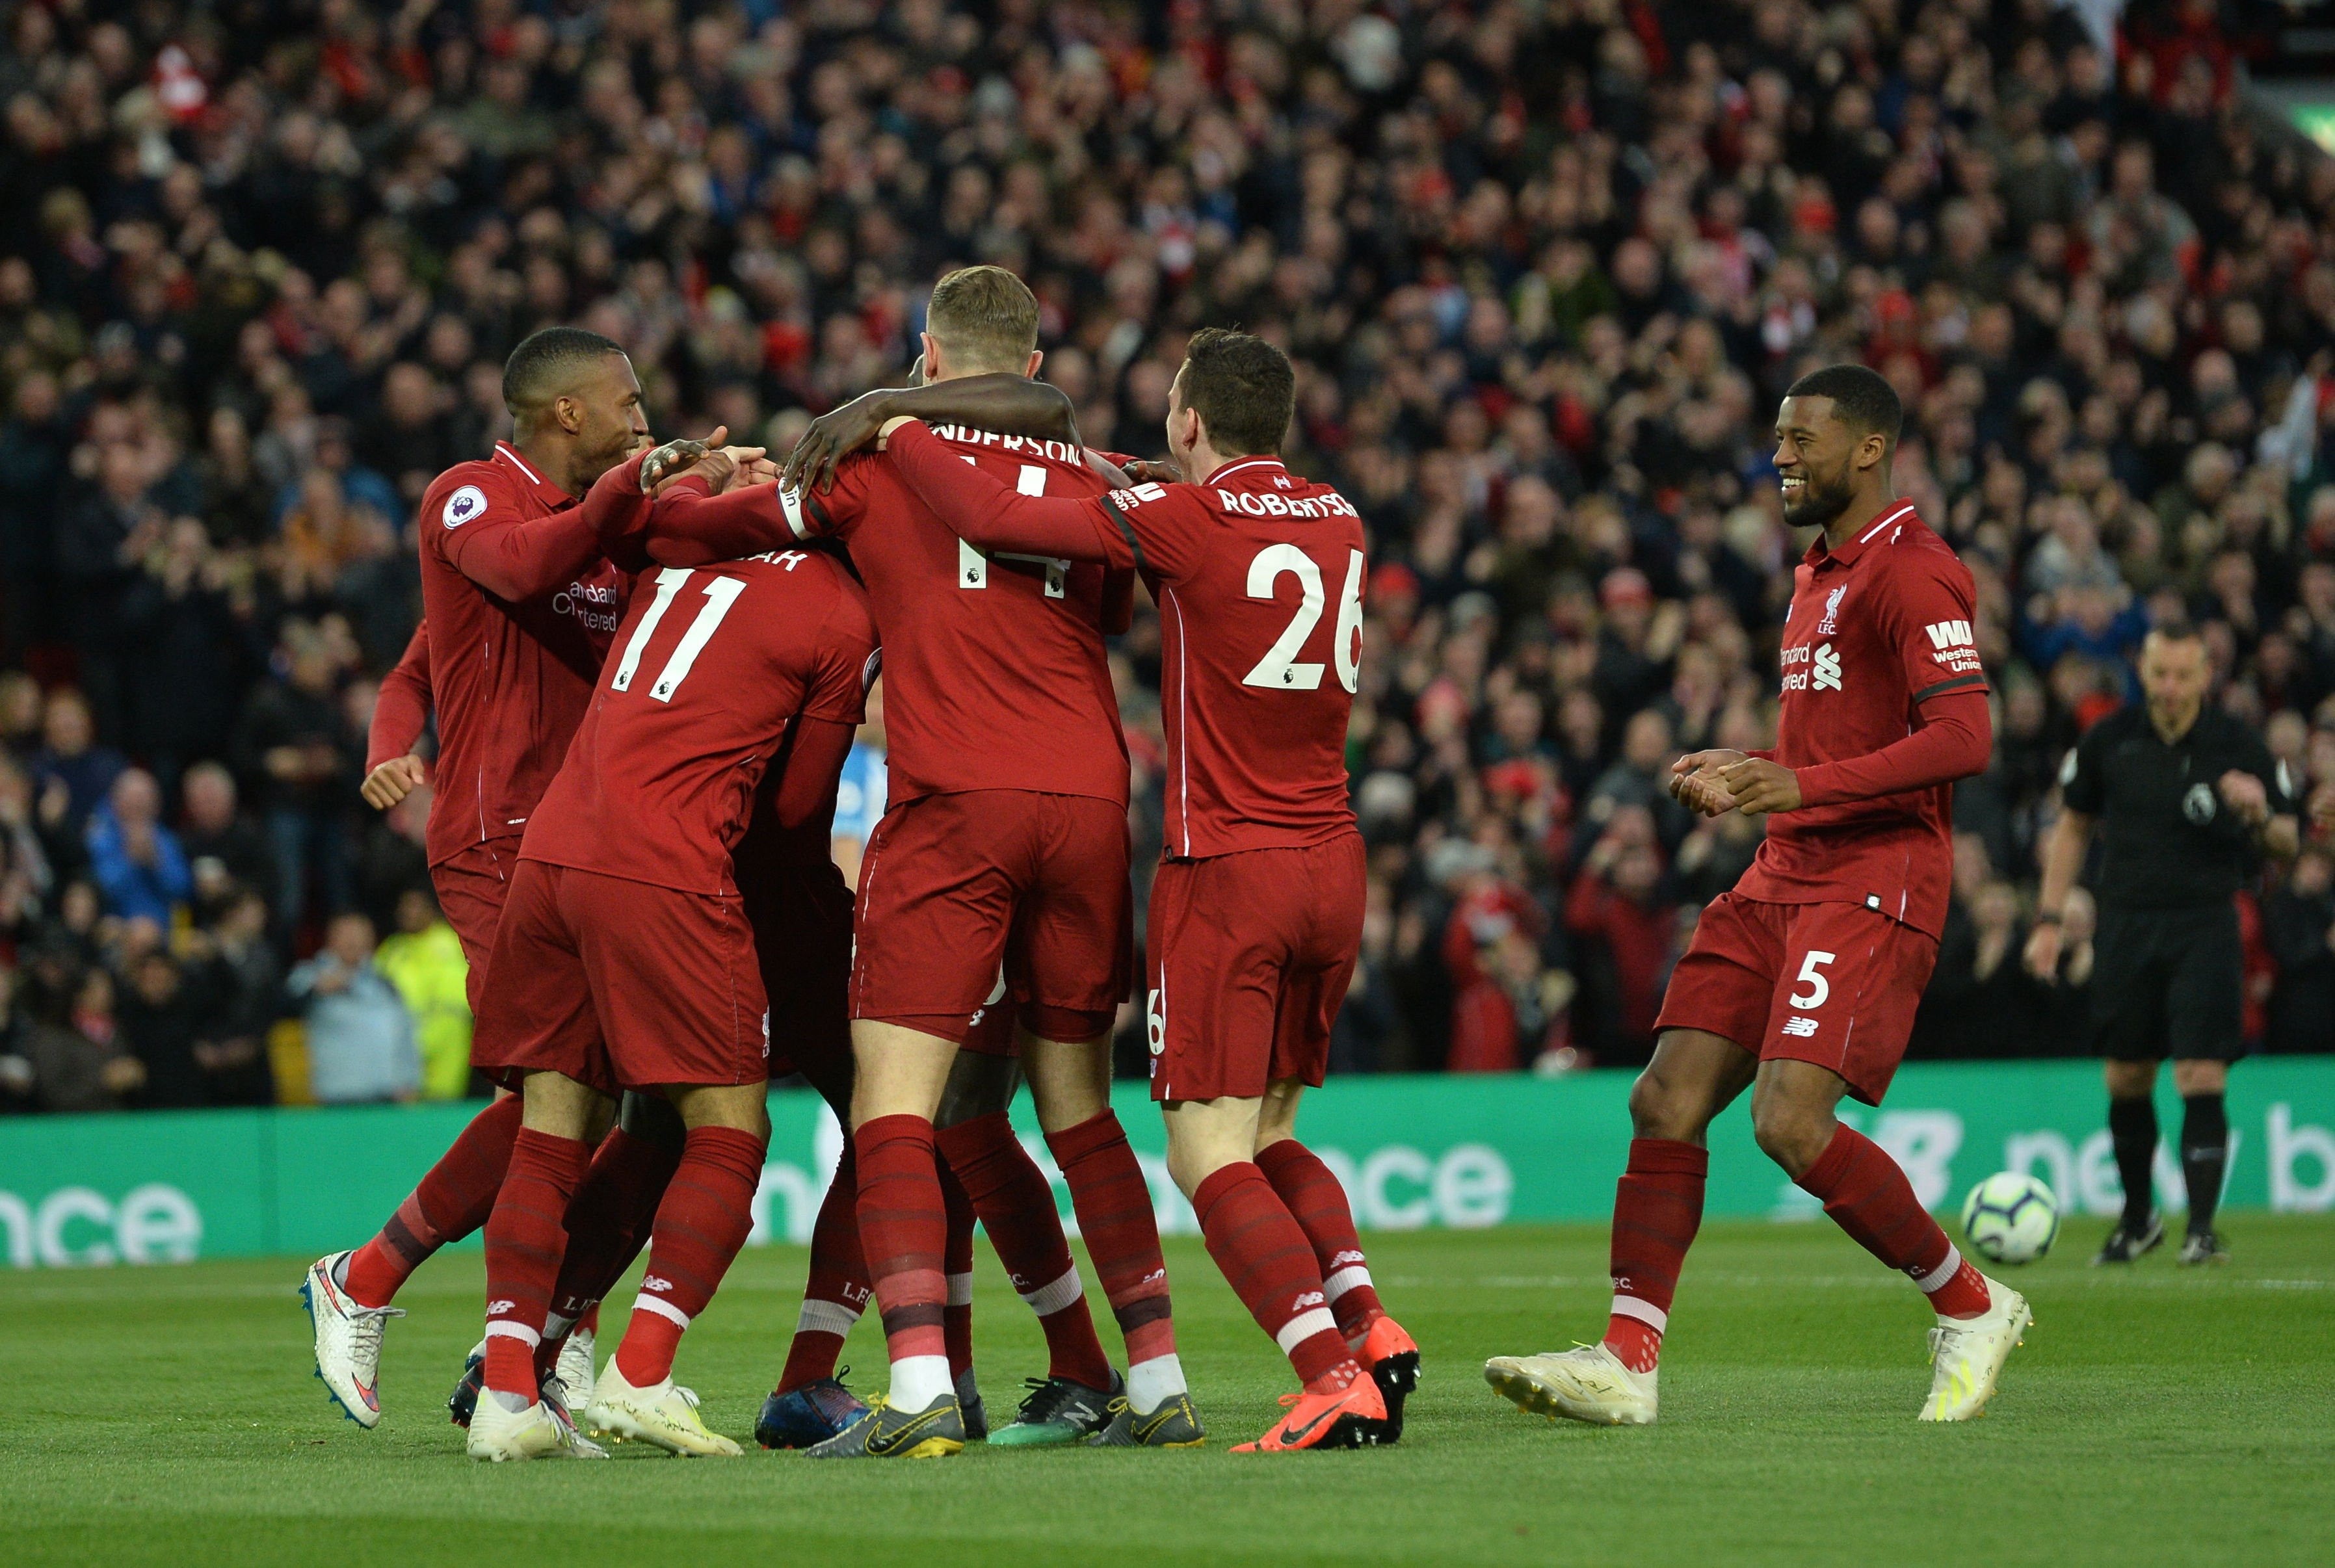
x,y
1543,267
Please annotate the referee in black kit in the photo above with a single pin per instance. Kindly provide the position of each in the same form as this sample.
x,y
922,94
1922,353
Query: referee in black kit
x,y
2190,798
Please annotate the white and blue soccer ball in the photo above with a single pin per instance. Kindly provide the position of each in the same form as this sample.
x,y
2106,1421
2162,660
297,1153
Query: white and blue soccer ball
x,y
2010,1218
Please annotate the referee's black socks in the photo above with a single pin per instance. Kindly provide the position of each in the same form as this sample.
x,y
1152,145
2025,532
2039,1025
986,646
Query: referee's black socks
x,y
2204,1152
2132,1129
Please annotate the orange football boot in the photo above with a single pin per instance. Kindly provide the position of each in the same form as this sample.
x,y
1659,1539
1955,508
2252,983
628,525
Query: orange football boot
x,y
1353,1416
1392,1358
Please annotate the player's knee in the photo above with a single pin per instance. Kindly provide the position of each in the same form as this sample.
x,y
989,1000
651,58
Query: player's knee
x,y
1659,1109
1791,1134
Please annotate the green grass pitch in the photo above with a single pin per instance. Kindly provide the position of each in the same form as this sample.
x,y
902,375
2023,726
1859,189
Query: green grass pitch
x,y
168,1416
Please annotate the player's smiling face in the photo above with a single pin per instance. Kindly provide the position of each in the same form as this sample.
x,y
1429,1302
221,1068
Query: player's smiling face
x,y
1816,457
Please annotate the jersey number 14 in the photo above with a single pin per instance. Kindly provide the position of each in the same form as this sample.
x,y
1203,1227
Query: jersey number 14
x,y
1279,670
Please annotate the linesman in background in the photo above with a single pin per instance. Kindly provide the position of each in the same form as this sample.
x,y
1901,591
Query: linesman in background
x,y
2189,801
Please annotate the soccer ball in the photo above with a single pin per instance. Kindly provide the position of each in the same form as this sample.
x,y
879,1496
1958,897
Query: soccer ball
x,y
2010,1218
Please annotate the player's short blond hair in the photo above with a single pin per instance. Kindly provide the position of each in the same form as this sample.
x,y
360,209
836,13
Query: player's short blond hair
x,y
984,318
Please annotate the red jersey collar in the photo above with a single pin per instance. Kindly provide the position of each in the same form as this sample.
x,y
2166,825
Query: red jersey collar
x,y
549,494
1256,471
1880,530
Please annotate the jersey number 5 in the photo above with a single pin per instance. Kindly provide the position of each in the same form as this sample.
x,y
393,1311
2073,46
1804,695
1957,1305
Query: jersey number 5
x,y
721,593
1279,671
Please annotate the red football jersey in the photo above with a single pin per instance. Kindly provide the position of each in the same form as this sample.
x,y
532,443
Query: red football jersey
x,y
521,601
1259,576
707,674
1877,628
995,670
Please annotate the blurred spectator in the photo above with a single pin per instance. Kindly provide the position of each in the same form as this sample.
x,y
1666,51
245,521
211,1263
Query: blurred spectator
x,y
243,996
423,960
1622,928
78,1064
72,772
294,741
225,851
136,861
159,1015
360,1036
16,1078
2300,922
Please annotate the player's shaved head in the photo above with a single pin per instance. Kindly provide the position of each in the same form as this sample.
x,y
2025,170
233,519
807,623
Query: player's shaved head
x,y
984,319
1242,388
550,364
1862,399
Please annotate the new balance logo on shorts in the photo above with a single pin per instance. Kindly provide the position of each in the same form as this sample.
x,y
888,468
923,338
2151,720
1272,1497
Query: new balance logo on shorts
x,y
1800,1028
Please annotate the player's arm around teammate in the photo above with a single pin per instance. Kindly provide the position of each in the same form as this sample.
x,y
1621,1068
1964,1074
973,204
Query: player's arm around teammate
x,y
1256,915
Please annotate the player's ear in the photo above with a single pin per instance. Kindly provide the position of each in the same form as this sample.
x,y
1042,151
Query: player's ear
x,y
932,368
1037,358
568,413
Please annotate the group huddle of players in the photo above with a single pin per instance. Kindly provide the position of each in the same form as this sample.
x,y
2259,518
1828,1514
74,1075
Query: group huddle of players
x,y
647,663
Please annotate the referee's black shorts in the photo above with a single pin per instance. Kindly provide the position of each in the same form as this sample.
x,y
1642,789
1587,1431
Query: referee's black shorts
x,y
2168,983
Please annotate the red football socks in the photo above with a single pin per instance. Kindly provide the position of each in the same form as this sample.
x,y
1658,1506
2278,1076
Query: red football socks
x,y
956,1263
609,1217
1867,1195
526,1235
1657,1208
707,1212
836,1291
1319,1206
1270,1265
1016,1206
1114,1208
904,1228
451,1200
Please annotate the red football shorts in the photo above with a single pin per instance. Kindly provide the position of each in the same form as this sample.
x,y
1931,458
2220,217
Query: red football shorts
x,y
802,920
1250,957
620,984
954,885
1836,985
471,885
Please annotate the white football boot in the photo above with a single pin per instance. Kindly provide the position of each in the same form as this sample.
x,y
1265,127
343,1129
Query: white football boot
x,y
663,1415
1587,1383
1966,1355
348,1342
498,1433
575,1369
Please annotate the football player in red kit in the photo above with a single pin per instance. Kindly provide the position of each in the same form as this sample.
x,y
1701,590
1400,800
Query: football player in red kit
x,y
519,599
1257,912
1802,982
625,958
1004,841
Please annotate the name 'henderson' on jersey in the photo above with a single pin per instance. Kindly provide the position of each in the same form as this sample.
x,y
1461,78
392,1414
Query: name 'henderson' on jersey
x,y
710,669
995,676
1259,576
1878,628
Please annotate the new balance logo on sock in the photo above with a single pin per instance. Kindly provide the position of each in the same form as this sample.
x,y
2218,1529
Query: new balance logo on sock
x,y
497,1309
1308,1299
654,1284
1342,1259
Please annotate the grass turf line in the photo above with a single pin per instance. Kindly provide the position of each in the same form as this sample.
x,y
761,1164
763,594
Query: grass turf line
x,y
168,1416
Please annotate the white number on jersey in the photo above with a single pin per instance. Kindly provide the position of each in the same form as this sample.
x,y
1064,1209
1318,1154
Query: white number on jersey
x,y
721,593
1278,669
973,567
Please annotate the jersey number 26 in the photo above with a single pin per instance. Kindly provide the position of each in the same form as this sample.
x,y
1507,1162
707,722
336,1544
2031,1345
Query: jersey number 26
x,y
1279,670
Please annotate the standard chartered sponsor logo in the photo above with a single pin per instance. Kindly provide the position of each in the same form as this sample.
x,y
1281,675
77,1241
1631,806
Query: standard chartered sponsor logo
x,y
1392,1187
81,1227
